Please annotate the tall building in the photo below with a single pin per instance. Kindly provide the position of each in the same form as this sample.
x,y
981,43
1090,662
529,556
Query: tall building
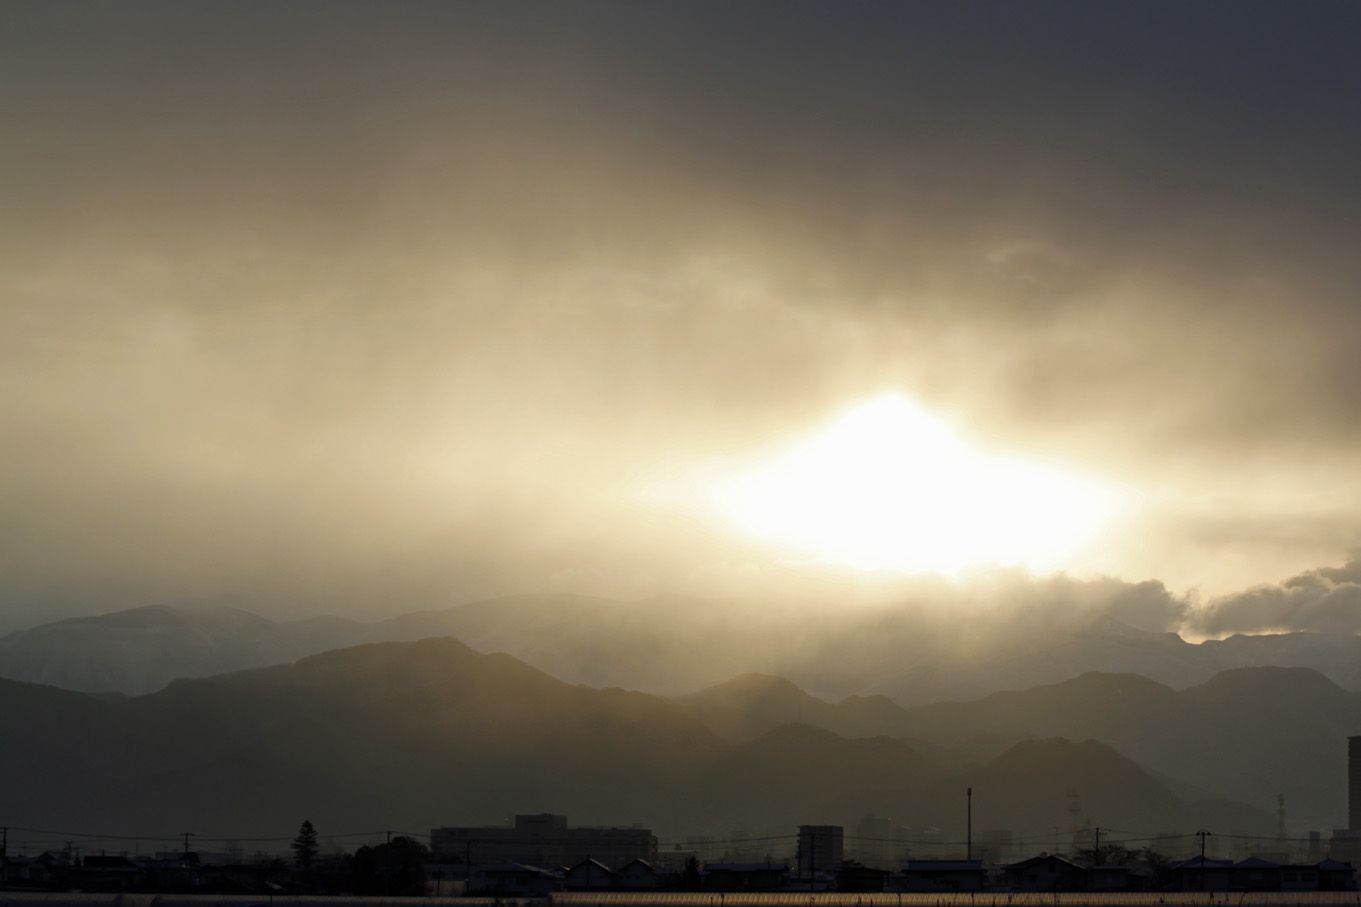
x,y
1346,842
544,840
1354,783
820,849
878,842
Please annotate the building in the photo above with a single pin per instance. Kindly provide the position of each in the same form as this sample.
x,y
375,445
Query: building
x,y
674,860
1202,874
1331,875
745,876
1114,877
940,875
515,879
588,875
445,880
1345,846
543,840
105,873
638,875
878,842
1047,872
820,849
853,876
1354,783
1256,874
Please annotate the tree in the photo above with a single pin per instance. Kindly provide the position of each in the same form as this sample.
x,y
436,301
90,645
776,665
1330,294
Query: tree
x,y
305,846
1158,864
1108,855
391,868
690,877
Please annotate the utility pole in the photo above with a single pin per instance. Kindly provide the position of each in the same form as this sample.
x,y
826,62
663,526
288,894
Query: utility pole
x,y
1203,834
4,841
968,824
387,864
186,835
1096,851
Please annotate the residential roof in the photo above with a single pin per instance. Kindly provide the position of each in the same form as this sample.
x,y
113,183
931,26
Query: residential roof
x,y
1042,858
1256,863
1332,864
1203,863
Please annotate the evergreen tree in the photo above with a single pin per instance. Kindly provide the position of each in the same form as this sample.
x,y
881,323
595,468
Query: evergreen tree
x,y
305,846
691,880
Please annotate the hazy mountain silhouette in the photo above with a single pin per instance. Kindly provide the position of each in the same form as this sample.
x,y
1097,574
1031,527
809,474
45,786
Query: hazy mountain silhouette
x,y
143,649
1248,733
668,647
751,704
415,734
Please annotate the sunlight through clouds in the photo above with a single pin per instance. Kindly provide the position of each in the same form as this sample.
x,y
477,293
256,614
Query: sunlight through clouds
x,y
888,486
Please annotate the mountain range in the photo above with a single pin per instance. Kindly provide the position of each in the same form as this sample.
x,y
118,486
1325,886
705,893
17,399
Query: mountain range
x,y
671,647
1249,734
411,735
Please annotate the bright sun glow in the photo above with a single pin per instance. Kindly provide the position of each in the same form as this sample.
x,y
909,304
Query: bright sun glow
x,y
888,486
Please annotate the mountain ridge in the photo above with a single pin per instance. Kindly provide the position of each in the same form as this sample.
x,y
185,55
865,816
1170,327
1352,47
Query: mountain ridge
x,y
663,648
432,732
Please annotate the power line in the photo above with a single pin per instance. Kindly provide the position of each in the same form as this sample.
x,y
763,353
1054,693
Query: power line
x,y
1110,836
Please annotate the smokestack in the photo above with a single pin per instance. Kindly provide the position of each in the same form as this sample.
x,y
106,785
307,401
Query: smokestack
x,y
1354,783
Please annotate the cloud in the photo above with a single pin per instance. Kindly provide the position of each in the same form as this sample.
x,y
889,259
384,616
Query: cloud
x,y
1324,600
381,307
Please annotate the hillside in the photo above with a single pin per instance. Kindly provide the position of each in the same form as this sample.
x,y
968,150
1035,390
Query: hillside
x,y
410,735
1247,734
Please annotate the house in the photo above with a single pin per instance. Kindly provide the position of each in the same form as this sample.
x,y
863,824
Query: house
x,y
23,871
745,876
637,875
1114,877
854,876
445,879
1202,874
1334,875
515,879
940,875
105,873
542,839
1299,878
1256,874
1325,875
173,873
588,875
1047,872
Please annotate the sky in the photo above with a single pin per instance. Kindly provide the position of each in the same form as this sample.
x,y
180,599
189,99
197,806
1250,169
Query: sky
x,y
359,308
